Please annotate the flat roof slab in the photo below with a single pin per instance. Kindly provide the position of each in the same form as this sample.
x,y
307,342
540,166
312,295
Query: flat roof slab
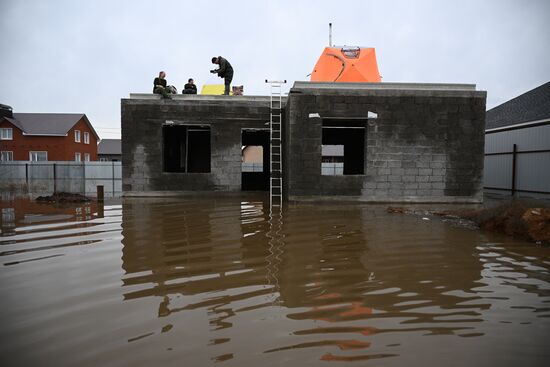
x,y
202,97
388,89
377,86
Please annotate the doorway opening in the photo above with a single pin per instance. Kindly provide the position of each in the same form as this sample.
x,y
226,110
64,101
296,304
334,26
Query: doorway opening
x,y
255,160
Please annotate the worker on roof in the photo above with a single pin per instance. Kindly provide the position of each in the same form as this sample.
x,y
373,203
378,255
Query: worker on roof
x,y
190,87
159,86
225,70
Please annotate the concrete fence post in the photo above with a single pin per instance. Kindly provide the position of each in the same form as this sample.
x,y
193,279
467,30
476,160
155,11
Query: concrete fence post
x,y
27,176
84,178
113,176
54,178
514,156
100,193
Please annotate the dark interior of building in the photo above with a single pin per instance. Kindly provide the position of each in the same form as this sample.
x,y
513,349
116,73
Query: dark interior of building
x,y
257,181
186,148
350,134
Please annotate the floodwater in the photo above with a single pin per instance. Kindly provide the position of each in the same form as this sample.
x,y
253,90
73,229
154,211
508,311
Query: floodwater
x,y
203,281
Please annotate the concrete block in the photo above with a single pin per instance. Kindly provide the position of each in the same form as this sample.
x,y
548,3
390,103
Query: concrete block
x,y
369,185
395,192
397,171
408,164
411,171
397,185
394,164
368,192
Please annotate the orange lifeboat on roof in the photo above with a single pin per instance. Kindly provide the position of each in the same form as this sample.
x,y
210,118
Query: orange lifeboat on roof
x,y
347,64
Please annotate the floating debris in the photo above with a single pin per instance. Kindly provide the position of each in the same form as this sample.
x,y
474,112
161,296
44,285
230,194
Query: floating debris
x,y
63,197
519,219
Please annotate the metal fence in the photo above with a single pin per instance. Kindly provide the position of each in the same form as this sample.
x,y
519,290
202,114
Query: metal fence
x,y
45,178
332,168
518,161
252,167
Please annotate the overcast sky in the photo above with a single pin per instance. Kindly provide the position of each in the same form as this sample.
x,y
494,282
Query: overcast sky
x,y
84,56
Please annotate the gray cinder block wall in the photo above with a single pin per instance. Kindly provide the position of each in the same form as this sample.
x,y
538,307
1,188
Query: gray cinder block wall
x,y
426,144
143,118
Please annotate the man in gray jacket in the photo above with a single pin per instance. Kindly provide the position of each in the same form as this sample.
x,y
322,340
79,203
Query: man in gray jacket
x,y
225,70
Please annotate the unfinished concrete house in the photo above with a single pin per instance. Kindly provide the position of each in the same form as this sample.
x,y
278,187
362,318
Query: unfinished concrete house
x,y
352,141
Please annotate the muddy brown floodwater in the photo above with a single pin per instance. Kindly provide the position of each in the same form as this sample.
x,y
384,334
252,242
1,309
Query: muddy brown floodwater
x,y
203,281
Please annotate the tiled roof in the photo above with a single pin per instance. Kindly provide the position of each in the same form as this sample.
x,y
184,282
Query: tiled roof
x,y
530,106
47,123
109,146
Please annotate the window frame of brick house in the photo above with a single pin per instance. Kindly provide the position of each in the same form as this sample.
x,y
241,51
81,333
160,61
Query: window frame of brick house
x,y
77,136
5,153
86,157
77,157
86,137
35,153
8,136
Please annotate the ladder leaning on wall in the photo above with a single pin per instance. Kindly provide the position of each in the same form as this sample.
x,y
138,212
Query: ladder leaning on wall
x,y
275,149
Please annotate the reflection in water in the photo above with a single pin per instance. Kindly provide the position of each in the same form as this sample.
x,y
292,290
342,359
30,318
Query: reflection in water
x,y
275,247
205,281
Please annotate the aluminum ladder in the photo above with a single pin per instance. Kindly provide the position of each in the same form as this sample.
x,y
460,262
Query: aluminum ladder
x,y
275,149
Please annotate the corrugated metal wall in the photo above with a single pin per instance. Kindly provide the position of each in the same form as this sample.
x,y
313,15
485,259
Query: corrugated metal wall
x,y
532,159
37,178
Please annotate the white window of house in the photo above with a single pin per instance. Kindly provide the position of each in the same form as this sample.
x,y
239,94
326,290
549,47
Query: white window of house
x,y
86,137
6,133
77,157
86,157
6,156
332,163
38,156
77,136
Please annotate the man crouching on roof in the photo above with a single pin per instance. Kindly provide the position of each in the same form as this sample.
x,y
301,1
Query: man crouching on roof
x,y
225,71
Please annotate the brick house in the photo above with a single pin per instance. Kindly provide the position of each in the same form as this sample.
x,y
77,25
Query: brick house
x,y
47,137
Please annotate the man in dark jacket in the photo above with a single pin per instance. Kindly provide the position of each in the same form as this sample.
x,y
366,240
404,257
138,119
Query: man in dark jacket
x,y
225,70
159,85
190,87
